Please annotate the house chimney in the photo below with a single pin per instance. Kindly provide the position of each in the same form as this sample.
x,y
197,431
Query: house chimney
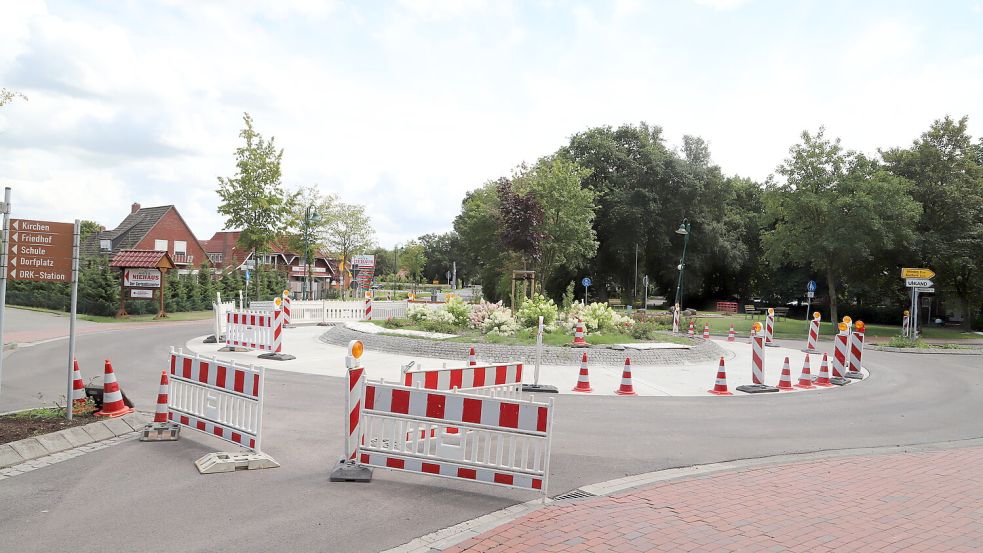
x,y
134,208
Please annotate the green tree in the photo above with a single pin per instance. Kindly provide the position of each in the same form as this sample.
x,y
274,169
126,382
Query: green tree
x,y
835,210
98,288
477,227
412,259
441,252
348,231
946,168
88,228
254,200
568,237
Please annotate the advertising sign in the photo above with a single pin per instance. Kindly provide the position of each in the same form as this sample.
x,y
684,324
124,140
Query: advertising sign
x,y
141,278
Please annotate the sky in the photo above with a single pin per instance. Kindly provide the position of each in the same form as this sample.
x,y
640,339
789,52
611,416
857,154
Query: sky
x,y
404,106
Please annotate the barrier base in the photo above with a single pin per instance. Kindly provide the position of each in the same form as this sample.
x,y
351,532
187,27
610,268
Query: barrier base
x,y
277,356
811,351
349,471
161,432
756,388
214,463
856,375
771,345
235,349
540,389
839,381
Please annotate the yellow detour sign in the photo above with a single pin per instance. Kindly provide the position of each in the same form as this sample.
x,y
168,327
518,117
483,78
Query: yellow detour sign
x,y
909,272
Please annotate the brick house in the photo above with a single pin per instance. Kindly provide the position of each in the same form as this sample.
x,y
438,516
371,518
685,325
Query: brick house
x,y
223,251
150,228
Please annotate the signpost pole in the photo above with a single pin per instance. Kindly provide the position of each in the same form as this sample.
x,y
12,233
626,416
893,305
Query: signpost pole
x,y
3,271
71,321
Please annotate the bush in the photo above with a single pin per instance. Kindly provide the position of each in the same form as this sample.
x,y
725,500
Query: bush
x,y
443,327
500,322
482,311
532,309
644,330
393,323
459,310
417,313
597,317
566,301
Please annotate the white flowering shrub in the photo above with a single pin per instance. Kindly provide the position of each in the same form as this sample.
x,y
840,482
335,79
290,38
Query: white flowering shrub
x,y
481,311
532,309
500,322
596,317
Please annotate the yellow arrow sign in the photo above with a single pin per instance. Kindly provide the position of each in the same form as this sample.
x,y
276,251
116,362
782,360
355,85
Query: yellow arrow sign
x,y
909,272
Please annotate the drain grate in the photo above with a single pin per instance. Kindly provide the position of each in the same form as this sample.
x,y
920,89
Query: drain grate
x,y
573,494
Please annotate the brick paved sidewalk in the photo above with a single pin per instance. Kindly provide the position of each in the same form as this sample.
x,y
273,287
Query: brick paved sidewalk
x,y
931,501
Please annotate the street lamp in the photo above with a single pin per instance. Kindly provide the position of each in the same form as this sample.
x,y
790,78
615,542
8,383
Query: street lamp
x,y
311,217
683,229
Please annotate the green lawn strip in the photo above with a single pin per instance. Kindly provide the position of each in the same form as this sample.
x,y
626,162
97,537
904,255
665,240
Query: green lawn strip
x,y
527,337
180,316
799,329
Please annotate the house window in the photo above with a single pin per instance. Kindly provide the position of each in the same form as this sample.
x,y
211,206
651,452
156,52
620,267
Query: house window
x,y
105,245
215,257
160,245
180,246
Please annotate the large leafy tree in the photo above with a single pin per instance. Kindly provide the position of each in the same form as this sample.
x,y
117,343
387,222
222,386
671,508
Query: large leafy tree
x,y
412,259
347,231
254,200
947,170
441,251
836,210
478,227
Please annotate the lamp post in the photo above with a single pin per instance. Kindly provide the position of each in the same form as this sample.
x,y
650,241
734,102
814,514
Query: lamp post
x,y
684,230
311,216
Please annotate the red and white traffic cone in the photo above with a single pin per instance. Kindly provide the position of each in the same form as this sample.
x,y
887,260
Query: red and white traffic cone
x,y
112,397
78,387
583,380
785,383
472,357
692,330
706,331
805,379
578,334
160,415
731,335
823,378
720,387
626,389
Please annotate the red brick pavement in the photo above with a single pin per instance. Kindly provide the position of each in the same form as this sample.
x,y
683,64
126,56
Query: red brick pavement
x,y
929,501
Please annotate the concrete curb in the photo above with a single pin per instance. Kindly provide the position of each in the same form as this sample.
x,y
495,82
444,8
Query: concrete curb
x,y
702,350
453,535
927,351
38,447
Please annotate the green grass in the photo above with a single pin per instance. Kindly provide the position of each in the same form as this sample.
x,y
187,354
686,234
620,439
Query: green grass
x,y
799,329
181,316
527,337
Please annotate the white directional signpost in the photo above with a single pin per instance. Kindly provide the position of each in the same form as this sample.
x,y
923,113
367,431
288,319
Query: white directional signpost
x,y
40,251
919,280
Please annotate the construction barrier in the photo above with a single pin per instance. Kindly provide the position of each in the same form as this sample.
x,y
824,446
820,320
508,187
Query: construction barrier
x,y
856,351
812,341
727,306
770,328
332,311
840,351
368,306
220,398
285,296
498,441
498,380
250,329
675,321
221,311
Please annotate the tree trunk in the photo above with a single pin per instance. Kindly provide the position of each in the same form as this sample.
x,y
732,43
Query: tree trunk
x,y
831,284
968,315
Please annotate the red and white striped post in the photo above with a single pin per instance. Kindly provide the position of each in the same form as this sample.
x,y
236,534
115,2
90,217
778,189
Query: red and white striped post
x,y
906,323
856,350
757,355
675,320
840,352
472,357
731,335
278,321
706,331
353,399
286,307
368,306
770,328
813,341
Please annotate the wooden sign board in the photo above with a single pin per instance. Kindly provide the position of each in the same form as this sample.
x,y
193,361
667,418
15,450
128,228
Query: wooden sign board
x,y
40,250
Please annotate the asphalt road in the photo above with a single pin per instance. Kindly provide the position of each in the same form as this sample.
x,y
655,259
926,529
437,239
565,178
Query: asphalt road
x,y
149,496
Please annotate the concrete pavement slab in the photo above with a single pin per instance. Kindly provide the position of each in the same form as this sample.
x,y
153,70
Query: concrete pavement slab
x,y
117,426
29,448
76,436
9,456
54,442
98,431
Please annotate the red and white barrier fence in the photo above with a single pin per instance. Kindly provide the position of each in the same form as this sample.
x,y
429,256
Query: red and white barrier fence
x,y
498,380
262,330
457,435
220,311
220,398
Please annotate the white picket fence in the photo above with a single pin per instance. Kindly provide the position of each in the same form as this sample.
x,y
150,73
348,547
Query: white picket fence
x,y
219,311
327,311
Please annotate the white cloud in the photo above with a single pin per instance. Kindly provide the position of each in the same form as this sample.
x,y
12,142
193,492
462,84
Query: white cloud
x,y
722,5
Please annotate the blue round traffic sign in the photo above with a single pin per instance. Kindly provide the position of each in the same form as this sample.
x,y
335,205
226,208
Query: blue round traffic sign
x,y
586,282
811,287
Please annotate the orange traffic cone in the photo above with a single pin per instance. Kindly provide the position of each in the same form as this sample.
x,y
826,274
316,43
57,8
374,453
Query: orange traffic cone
x,y
160,415
583,381
823,379
720,388
785,384
706,331
731,336
472,357
626,389
112,398
578,334
805,380
78,387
